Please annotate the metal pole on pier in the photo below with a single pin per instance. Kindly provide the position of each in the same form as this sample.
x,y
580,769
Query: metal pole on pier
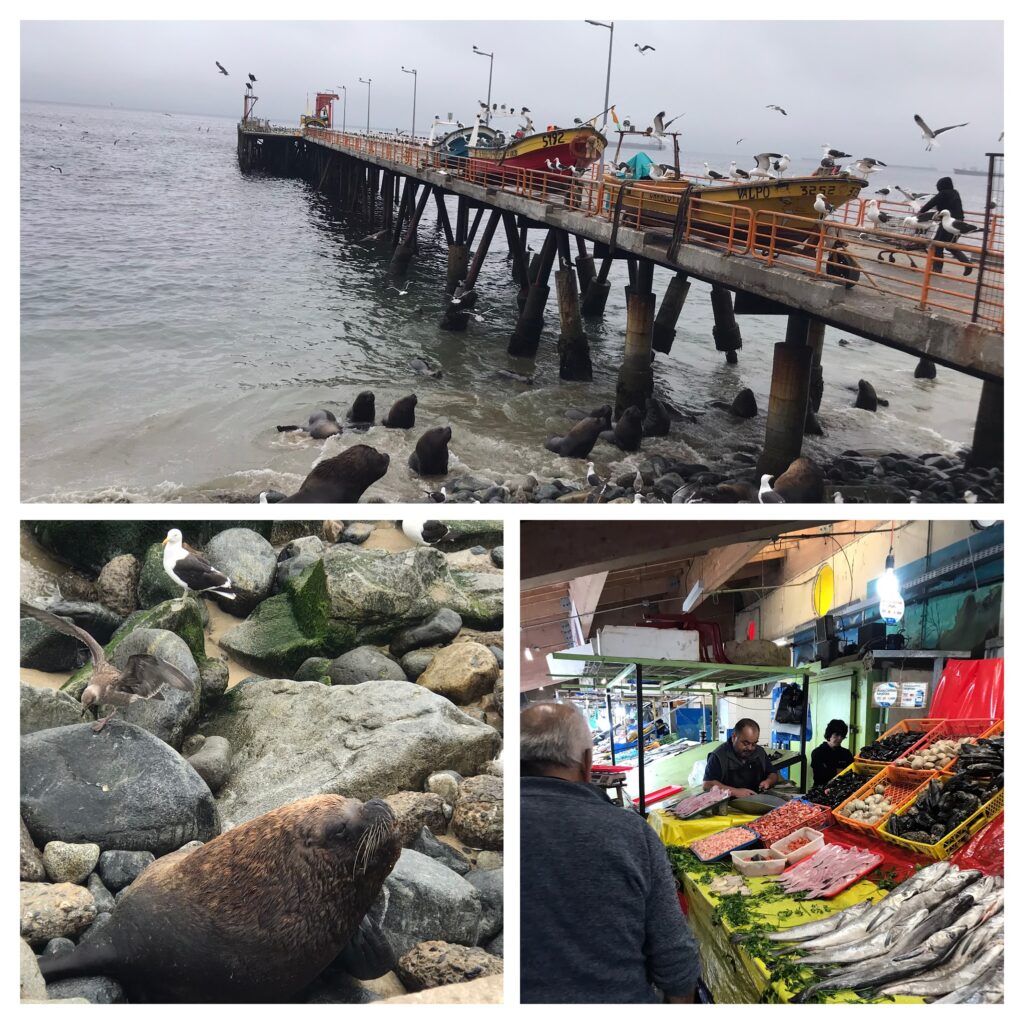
x,y
490,75
367,82
344,106
610,25
412,71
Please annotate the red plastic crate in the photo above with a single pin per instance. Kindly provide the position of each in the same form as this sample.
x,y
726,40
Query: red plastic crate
x,y
658,795
906,725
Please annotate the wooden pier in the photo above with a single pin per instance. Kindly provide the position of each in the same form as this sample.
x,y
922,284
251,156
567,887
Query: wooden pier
x,y
749,263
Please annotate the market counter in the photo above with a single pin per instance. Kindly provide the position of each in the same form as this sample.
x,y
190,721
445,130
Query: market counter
x,y
731,974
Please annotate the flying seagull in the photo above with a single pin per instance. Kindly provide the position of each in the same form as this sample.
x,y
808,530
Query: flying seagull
x,y
54,167
143,678
775,106
660,124
191,571
766,496
929,135
865,165
644,48
223,70
252,77
763,164
424,531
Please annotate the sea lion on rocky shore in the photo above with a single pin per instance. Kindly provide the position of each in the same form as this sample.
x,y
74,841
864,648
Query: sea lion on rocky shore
x,y
802,481
579,441
657,420
363,412
320,424
254,915
602,413
343,477
431,455
402,414
628,431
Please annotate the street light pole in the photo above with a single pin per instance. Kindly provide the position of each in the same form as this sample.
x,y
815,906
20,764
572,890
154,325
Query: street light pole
x,y
610,25
490,75
412,71
366,82
344,106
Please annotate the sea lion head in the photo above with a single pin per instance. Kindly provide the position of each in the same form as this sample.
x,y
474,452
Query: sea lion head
x,y
359,840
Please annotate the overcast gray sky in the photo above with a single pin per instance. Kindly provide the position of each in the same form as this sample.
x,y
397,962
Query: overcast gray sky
x,y
855,85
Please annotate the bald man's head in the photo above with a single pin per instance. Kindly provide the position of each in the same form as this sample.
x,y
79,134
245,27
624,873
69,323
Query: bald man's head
x,y
554,740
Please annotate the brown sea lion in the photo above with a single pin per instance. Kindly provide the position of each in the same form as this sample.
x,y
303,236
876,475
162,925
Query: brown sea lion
x,y
343,477
431,455
628,431
363,412
402,414
321,423
254,915
802,481
579,441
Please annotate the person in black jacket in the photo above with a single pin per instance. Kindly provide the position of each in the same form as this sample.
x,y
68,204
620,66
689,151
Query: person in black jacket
x,y
831,757
947,198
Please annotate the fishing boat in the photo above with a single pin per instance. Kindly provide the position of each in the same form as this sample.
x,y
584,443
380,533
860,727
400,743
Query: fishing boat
x,y
567,148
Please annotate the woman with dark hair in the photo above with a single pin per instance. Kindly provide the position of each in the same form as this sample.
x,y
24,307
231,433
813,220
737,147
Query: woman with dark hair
x,y
830,758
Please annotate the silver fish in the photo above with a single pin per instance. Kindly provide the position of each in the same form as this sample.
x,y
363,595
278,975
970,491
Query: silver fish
x,y
946,915
815,928
939,983
864,949
986,987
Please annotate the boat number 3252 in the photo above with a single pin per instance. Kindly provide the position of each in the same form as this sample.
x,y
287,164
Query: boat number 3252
x,y
554,138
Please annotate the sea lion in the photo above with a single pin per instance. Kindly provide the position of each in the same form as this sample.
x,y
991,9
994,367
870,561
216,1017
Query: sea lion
x,y
402,414
925,369
744,405
628,431
579,441
657,421
254,915
343,477
430,457
866,397
802,481
362,412
602,413
423,368
321,423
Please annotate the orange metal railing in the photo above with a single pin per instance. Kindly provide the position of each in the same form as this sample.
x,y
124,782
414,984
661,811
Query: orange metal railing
x,y
893,261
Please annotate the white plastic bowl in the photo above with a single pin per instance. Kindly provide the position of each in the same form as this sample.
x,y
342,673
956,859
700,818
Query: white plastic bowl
x,y
773,864
816,842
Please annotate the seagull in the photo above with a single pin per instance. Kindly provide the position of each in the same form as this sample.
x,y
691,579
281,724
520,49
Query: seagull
x,y
593,480
781,164
577,120
223,70
440,496
660,124
920,222
970,497
736,172
423,531
930,136
738,141
252,77
713,175
886,191
638,482
864,166
834,154
143,678
54,167
638,499
838,499
775,106
643,49
956,227
525,110
766,496
876,215
191,571
763,164
824,208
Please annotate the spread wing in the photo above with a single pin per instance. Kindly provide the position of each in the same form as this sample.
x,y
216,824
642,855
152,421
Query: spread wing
x,y
68,628
146,675
921,124
197,572
950,127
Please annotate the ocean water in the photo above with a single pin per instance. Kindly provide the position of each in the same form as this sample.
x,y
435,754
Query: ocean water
x,y
174,311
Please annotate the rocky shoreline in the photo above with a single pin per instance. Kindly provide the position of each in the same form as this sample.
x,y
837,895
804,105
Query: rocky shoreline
x,y
376,673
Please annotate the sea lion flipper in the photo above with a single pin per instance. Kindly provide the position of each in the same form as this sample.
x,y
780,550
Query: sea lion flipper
x,y
369,954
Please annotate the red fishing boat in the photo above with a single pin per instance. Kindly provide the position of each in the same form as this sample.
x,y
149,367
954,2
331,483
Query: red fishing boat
x,y
560,149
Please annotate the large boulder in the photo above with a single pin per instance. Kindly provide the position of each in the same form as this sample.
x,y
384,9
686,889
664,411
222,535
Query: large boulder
x,y
422,899
121,788
362,665
296,557
118,584
437,629
155,586
287,629
490,885
296,739
32,984
461,672
378,593
432,964
489,989
32,867
42,708
469,533
89,544
479,818
416,811
49,650
249,561
52,911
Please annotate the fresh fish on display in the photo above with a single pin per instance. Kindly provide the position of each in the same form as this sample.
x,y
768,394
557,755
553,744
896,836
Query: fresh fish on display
x,y
940,982
815,928
827,870
700,801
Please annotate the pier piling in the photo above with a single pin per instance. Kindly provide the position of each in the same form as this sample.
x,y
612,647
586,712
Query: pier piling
x,y
636,377
526,336
788,400
596,295
573,344
726,331
585,272
668,313
987,446
403,254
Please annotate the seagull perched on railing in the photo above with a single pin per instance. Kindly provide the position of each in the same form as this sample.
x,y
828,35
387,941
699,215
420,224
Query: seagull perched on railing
x,y
781,164
875,215
921,222
736,172
713,175
763,164
931,135
660,124
956,227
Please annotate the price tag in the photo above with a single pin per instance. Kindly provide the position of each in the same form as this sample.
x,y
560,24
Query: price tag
x,y
913,695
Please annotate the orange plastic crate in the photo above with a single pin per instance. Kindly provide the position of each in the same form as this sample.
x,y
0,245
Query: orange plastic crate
x,y
996,730
953,729
901,786
924,725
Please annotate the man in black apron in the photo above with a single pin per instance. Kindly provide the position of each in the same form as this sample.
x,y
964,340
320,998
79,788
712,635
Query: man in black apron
x,y
739,764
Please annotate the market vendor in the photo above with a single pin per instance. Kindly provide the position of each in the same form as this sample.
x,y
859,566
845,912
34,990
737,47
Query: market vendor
x,y
831,757
739,764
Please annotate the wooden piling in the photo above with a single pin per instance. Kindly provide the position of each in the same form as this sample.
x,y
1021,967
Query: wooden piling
x,y
636,377
816,343
403,254
573,345
596,295
788,399
726,331
520,271
526,336
987,446
668,313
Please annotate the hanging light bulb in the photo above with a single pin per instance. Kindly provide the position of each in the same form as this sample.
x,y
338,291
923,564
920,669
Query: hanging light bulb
x,y
890,601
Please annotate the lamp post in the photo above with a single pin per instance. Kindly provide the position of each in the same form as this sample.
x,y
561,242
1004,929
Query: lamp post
x,y
366,82
610,25
344,106
412,71
490,75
